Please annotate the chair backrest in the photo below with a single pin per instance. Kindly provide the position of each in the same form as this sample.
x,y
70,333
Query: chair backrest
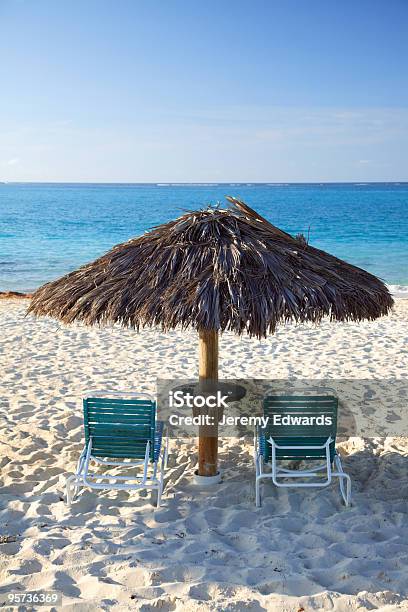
x,y
120,427
300,420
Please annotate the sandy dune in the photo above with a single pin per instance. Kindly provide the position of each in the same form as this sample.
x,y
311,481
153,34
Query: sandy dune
x,y
208,550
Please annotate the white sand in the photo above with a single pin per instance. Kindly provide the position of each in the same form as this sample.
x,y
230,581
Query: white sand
x,y
199,551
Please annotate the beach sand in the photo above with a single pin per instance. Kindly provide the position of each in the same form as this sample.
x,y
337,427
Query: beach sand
x,y
202,550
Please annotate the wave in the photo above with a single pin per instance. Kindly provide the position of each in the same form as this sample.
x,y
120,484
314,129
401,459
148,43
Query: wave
x,y
398,291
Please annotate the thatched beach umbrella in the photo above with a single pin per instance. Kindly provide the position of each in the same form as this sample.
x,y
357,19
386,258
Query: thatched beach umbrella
x,y
214,270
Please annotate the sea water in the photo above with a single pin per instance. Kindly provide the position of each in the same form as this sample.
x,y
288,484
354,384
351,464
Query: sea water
x,y
47,230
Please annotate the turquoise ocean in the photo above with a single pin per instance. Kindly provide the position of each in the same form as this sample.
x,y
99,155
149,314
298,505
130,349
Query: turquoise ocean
x,y
47,230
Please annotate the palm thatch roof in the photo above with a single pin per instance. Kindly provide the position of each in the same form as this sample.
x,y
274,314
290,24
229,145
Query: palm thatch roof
x,y
214,269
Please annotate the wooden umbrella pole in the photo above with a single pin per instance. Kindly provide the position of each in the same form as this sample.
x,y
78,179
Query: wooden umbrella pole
x,y
208,373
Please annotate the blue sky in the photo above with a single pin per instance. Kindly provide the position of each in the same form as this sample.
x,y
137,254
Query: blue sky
x,y
178,91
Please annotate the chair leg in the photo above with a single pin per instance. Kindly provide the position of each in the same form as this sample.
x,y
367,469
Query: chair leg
x,y
78,472
162,468
346,494
160,489
166,457
257,492
166,452
73,483
258,476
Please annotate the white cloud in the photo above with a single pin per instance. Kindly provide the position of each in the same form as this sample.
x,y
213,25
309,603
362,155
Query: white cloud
x,y
231,144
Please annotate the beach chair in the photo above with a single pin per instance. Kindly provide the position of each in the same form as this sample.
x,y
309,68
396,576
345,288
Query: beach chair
x,y
121,433
294,432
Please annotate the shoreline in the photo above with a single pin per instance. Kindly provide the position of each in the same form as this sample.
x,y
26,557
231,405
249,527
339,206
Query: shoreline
x,y
12,295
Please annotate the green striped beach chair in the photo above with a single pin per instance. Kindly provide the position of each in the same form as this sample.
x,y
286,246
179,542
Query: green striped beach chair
x,y
121,433
300,427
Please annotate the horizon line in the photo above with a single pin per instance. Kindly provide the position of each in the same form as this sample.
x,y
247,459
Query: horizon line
x,y
205,183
